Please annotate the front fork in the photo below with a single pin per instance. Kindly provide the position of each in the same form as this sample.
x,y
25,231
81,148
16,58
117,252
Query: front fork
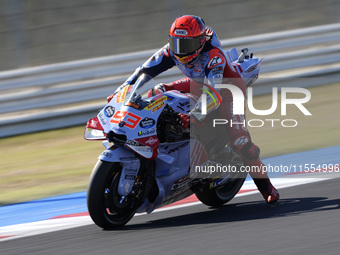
x,y
129,162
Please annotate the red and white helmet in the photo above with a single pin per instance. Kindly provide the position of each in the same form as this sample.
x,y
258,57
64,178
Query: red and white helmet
x,y
187,38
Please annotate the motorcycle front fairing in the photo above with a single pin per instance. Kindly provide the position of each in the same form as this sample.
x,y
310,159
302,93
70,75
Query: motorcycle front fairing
x,y
130,122
121,122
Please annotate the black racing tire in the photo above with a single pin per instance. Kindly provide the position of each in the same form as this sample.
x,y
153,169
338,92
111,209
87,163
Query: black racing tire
x,y
219,196
103,201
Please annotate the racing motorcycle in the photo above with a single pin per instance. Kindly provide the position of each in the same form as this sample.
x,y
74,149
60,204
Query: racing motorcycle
x,y
150,161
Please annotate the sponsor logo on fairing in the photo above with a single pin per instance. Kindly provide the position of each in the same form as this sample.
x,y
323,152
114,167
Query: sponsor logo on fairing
x,y
132,142
158,107
147,132
156,103
178,147
147,123
102,119
184,105
151,141
94,123
109,111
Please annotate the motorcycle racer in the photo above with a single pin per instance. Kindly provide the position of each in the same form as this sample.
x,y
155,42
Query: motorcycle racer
x,y
196,50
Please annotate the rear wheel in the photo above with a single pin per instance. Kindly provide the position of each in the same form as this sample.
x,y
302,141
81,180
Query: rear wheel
x,y
106,207
222,195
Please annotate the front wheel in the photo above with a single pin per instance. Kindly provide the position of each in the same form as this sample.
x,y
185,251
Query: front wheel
x,y
106,207
222,195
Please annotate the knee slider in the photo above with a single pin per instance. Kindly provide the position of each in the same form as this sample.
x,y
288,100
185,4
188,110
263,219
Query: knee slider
x,y
246,148
252,153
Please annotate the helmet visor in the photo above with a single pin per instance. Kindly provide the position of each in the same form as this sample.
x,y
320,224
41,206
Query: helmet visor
x,y
185,45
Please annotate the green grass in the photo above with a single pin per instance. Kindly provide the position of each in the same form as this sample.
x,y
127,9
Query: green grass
x,y
59,162
45,164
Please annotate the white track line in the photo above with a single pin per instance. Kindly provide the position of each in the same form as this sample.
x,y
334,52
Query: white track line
x,y
52,225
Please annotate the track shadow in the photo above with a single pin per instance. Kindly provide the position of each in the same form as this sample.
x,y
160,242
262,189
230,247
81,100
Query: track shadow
x,y
242,212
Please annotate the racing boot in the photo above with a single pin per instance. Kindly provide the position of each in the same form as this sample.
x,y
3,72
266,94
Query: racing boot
x,y
261,180
250,155
268,191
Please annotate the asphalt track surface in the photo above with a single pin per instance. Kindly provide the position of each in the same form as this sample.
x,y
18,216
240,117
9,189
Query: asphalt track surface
x,y
305,221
